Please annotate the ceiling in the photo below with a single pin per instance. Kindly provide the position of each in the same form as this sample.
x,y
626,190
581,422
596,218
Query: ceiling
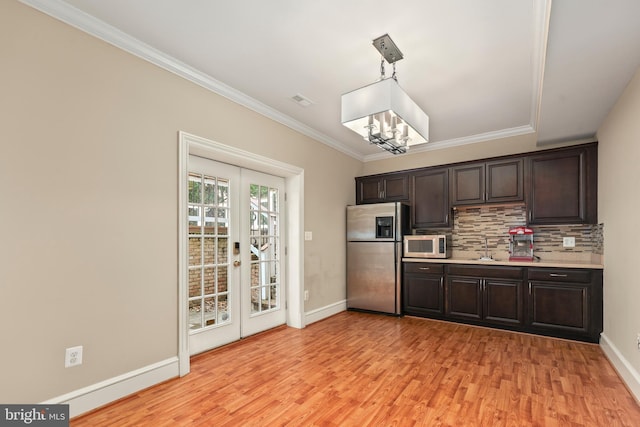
x,y
480,69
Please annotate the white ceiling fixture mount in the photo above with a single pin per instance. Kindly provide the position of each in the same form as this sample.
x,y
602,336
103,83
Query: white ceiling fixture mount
x,y
382,113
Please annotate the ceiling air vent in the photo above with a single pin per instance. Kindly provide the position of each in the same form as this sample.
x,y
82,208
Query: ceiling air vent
x,y
301,100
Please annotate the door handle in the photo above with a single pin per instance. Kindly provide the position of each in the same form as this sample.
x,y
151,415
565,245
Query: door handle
x,y
236,263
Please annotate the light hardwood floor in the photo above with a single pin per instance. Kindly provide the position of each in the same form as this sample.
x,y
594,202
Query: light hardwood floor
x,y
357,369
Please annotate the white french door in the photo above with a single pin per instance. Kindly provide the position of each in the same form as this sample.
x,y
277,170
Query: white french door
x,y
262,283
235,275
214,281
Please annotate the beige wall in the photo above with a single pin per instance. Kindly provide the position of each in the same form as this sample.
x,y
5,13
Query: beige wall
x,y
89,148
618,204
88,203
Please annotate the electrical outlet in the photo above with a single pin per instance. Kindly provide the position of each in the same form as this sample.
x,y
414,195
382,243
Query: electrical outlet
x,y
306,297
308,235
73,356
569,242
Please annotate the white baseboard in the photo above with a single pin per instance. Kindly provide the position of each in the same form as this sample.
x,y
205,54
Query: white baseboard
x,y
324,312
99,394
96,395
627,372
104,392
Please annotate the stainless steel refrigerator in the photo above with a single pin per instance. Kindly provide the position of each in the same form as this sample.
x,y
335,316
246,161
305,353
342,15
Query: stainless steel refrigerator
x,y
374,253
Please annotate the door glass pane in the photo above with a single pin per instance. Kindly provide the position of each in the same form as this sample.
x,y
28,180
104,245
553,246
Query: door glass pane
x,y
223,222
223,193
255,274
223,308
208,250
194,216
264,235
195,319
222,250
195,192
274,200
223,283
209,281
209,191
195,250
264,198
209,220
273,296
210,311
195,282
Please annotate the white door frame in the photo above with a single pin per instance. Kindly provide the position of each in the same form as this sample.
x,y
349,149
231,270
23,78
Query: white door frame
x,y
294,260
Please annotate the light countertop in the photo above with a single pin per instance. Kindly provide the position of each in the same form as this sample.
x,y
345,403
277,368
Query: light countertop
x,y
555,264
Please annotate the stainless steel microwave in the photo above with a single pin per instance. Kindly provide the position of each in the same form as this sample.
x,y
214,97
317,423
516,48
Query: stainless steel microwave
x,y
427,246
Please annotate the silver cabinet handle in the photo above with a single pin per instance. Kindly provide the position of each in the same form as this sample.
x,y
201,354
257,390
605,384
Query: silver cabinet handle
x,y
557,275
425,268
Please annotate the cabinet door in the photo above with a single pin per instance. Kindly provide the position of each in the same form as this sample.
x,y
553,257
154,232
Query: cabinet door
x,y
503,302
505,181
499,181
467,184
559,306
562,187
368,190
392,187
423,295
464,298
395,188
430,198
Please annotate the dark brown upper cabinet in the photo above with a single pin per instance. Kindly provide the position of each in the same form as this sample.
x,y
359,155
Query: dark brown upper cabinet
x,y
391,187
558,186
430,198
498,181
562,186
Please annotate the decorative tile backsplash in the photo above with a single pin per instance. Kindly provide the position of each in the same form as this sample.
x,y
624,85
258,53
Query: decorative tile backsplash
x,y
472,225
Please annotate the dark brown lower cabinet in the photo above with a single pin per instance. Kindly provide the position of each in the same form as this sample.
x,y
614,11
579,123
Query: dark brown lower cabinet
x,y
492,295
503,302
464,298
565,303
559,306
423,289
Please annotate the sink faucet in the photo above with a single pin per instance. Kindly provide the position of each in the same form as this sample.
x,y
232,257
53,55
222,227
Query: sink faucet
x,y
486,249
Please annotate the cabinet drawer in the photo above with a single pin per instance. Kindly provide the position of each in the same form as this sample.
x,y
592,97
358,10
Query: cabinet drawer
x,y
423,268
557,275
497,272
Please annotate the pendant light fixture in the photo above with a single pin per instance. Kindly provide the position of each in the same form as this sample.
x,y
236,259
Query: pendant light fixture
x,y
382,113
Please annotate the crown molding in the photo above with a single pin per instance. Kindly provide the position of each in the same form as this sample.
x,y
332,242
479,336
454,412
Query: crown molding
x,y
541,19
76,18
70,15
